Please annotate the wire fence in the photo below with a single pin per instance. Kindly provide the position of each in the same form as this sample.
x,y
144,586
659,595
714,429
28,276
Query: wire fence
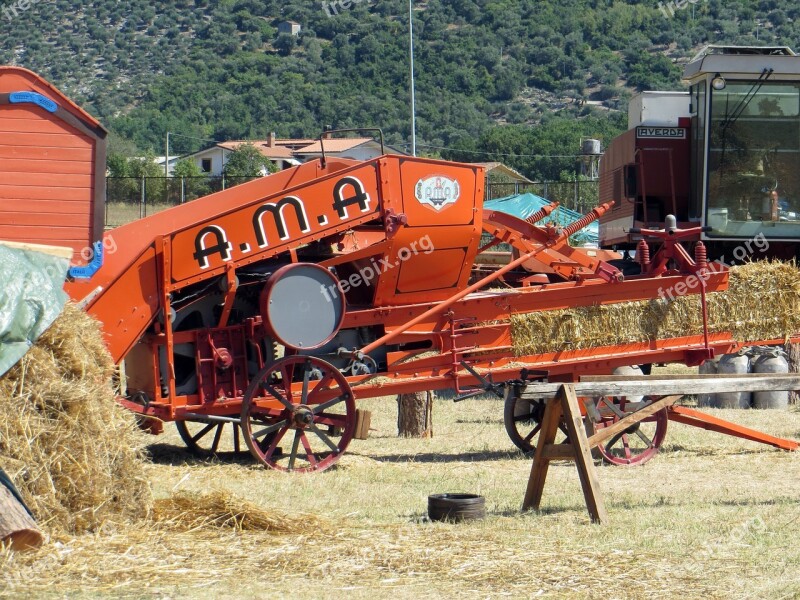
x,y
131,198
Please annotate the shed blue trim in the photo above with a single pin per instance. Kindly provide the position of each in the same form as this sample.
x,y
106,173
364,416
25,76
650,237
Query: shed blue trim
x,y
93,267
33,98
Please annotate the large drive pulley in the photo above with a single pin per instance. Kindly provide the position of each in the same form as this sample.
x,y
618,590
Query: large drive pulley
x,y
302,306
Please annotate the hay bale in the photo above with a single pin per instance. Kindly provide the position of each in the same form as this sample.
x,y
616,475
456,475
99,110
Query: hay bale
x,y
762,302
72,451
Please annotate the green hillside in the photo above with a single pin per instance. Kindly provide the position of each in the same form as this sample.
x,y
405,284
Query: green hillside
x,y
487,70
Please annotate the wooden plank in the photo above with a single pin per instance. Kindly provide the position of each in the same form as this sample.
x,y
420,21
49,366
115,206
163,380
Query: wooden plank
x,y
17,528
541,464
621,425
50,140
37,218
559,452
583,455
46,153
363,420
49,206
709,376
27,165
49,180
59,251
23,193
668,387
35,125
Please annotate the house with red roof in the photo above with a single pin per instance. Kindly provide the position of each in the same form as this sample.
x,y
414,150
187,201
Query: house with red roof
x,y
285,153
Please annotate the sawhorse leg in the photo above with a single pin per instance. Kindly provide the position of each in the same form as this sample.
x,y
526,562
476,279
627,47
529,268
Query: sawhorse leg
x,y
565,404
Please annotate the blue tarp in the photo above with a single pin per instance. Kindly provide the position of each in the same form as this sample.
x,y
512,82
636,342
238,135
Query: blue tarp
x,y
524,205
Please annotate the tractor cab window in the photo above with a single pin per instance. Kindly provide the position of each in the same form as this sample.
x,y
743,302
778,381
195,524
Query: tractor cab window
x,y
754,150
698,162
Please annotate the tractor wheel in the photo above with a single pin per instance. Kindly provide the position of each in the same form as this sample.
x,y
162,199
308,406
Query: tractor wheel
x,y
317,421
637,444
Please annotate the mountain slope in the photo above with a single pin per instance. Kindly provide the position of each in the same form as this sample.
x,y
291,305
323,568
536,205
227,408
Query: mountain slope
x,y
219,70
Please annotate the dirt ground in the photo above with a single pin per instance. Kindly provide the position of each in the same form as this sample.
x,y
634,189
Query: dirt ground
x,y
709,517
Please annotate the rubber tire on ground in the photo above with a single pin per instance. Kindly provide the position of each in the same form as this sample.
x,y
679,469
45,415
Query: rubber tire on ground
x,y
456,507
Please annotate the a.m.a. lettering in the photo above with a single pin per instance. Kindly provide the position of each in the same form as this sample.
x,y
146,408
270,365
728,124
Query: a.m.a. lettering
x,y
276,209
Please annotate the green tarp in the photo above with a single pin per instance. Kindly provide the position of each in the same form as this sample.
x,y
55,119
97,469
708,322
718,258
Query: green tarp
x,y
31,297
523,206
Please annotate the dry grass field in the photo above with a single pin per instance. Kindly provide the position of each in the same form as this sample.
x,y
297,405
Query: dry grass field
x,y
119,213
710,517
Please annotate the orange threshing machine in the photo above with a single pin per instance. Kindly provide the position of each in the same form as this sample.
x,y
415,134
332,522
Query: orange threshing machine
x,y
267,310
264,312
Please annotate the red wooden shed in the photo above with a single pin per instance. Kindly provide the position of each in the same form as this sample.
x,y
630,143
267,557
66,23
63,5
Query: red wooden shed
x,y
52,166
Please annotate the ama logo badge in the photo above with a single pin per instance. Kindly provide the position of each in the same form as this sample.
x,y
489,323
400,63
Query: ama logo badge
x,y
437,191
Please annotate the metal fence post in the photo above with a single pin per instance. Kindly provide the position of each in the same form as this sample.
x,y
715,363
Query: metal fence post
x,y
143,204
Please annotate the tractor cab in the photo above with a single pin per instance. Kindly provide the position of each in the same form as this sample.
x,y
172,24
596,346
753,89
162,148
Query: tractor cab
x,y
725,154
745,136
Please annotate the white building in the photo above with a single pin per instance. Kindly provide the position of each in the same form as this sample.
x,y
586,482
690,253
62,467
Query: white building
x,y
353,148
212,160
285,153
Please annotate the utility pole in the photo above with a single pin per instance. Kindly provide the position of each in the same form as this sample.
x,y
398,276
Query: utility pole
x,y
166,159
413,93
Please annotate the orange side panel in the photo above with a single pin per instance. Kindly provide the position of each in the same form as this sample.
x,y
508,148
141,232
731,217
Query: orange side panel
x,y
128,307
442,269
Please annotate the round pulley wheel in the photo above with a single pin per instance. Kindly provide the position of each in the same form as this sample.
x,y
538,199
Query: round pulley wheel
x,y
302,306
456,507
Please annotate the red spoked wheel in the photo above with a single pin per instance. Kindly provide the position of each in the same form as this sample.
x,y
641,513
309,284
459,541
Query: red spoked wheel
x,y
638,443
318,420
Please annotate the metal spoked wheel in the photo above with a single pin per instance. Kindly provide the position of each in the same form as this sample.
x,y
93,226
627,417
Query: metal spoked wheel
x,y
635,445
318,420
209,439
523,420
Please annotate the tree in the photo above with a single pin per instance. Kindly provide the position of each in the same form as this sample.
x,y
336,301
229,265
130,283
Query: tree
x,y
285,43
247,161
194,183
